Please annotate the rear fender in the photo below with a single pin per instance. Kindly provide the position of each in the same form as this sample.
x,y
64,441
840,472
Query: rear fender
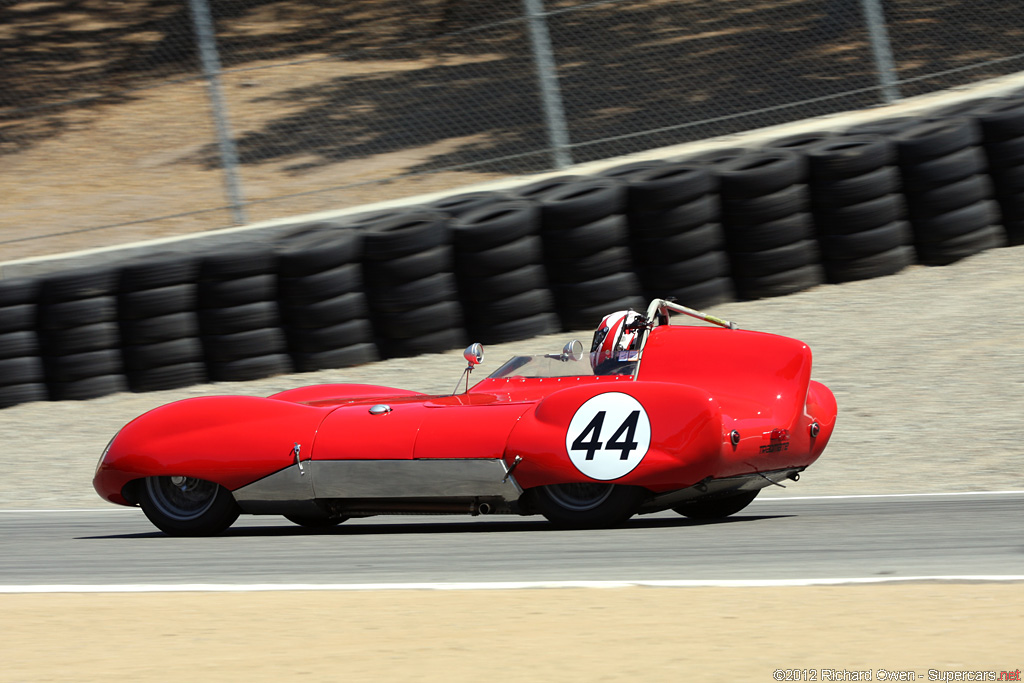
x,y
229,440
685,436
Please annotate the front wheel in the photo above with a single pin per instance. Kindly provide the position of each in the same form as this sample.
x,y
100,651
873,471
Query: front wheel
x,y
716,508
186,506
588,505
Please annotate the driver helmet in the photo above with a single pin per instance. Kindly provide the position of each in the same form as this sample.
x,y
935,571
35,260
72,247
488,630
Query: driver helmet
x,y
615,342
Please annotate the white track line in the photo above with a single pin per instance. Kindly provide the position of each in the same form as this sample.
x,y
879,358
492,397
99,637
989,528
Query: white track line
x,y
497,585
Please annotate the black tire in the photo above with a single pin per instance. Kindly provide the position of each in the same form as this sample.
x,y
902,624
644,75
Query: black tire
x,y
461,204
581,203
326,284
250,368
525,251
628,171
859,245
242,261
779,284
541,188
801,142
17,344
309,253
848,157
326,313
878,265
587,505
151,303
943,170
593,292
700,295
345,357
685,245
159,329
771,234
1002,119
862,188
717,508
157,271
142,357
864,216
888,127
168,377
669,222
79,366
516,330
316,521
420,321
230,320
562,246
88,388
970,190
934,140
778,260
410,295
185,506
587,317
224,348
408,268
968,219
765,208
709,266
406,234
21,370
1005,154
80,283
18,290
495,225
760,173
502,285
14,394
669,186
80,339
355,331
519,306
245,290
66,314
961,246
437,342
17,318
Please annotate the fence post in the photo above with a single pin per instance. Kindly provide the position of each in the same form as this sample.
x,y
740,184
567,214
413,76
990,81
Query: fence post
x,y
879,37
551,96
206,40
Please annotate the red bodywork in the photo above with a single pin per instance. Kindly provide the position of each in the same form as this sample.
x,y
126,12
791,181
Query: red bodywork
x,y
696,385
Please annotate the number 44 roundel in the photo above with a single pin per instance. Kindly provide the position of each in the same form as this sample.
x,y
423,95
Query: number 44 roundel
x,y
608,436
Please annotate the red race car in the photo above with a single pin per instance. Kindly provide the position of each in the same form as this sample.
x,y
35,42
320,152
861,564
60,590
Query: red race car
x,y
697,419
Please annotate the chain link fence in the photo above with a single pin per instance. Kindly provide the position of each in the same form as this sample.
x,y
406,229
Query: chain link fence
x,y
149,118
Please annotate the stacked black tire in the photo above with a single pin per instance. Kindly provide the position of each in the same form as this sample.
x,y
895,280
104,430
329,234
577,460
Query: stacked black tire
x,y
21,369
499,261
769,228
947,190
676,238
858,207
585,236
238,317
410,285
159,327
1002,125
323,307
78,332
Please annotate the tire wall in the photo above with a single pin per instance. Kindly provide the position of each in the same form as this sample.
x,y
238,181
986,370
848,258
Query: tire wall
x,y
555,254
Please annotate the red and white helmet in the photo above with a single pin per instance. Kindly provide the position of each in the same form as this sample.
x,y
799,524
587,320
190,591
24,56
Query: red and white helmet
x,y
616,339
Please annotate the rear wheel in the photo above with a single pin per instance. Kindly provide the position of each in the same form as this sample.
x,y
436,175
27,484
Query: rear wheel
x,y
186,506
588,505
716,508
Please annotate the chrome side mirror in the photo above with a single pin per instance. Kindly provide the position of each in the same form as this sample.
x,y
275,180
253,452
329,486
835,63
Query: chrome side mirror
x,y
573,350
474,353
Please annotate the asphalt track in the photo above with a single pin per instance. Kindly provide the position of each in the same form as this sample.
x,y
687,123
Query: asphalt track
x,y
864,537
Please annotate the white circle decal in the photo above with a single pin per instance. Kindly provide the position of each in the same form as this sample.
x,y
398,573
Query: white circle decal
x,y
608,436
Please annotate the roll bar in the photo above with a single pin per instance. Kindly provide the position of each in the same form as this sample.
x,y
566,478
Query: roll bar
x,y
660,307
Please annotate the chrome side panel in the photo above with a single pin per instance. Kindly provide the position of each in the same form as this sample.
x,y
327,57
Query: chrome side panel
x,y
426,478
284,485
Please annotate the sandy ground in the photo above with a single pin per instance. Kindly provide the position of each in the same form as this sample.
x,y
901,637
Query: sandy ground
x,y
621,634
